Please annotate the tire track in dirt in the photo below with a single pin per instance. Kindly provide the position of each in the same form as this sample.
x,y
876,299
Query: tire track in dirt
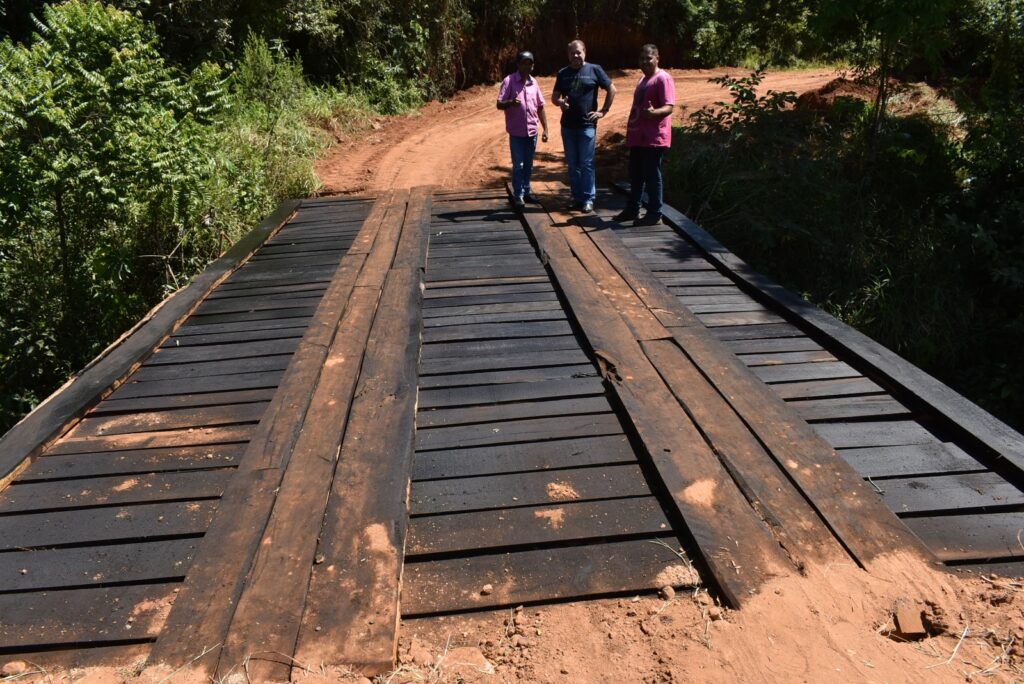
x,y
462,142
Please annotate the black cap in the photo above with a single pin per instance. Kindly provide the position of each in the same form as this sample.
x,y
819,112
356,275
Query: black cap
x,y
524,55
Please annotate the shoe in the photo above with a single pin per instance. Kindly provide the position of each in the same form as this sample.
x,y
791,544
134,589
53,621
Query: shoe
x,y
626,215
517,202
587,208
648,220
530,199
575,206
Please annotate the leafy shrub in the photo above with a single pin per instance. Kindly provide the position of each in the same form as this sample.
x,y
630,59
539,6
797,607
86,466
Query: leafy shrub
x,y
121,177
902,232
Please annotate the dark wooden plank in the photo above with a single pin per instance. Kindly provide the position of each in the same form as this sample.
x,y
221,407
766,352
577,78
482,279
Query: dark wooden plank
x,y
910,459
187,331
837,387
212,368
488,299
842,408
493,415
530,526
485,331
523,457
779,358
793,520
529,430
84,566
262,315
756,332
514,375
104,524
113,491
128,462
177,401
873,433
494,362
257,303
532,576
501,308
76,616
480,347
484,272
949,493
480,319
805,371
278,333
976,536
168,419
497,394
781,344
53,416
184,387
530,285
526,489
153,440
204,608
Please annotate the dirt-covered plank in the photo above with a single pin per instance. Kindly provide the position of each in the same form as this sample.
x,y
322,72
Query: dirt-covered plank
x,y
42,569
559,523
531,576
523,457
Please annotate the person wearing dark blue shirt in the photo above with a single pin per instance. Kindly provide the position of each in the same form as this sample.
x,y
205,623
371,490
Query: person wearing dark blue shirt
x,y
576,95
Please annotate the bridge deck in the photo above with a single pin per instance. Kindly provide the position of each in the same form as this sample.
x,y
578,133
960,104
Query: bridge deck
x,y
428,397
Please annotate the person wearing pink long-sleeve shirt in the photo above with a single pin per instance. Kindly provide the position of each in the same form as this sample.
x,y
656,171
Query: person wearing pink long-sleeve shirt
x,y
648,136
523,103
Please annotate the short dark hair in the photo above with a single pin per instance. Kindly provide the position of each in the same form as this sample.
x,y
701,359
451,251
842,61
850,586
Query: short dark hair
x,y
577,41
649,47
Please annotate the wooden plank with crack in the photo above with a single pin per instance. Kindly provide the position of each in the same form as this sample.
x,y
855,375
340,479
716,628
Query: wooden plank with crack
x,y
352,607
268,617
203,610
741,555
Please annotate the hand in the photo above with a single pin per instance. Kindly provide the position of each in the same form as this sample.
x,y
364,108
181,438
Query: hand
x,y
649,112
544,137
594,116
563,104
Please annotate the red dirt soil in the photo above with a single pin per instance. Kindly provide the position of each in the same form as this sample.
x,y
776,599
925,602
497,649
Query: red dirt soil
x,y
835,624
462,143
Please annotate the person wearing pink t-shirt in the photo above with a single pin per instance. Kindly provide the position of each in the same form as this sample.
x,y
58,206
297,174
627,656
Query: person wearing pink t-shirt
x,y
521,100
648,136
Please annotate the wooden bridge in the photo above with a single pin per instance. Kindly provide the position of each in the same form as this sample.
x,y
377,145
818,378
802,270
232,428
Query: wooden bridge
x,y
383,408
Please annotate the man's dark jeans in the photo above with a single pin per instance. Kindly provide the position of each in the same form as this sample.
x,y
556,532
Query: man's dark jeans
x,y
645,173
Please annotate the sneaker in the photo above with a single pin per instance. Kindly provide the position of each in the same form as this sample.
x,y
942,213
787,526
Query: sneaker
x,y
648,220
626,215
587,208
530,199
517,202
575,206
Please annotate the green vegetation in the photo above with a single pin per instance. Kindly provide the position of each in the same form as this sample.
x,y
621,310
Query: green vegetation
x,y
909,226
121,176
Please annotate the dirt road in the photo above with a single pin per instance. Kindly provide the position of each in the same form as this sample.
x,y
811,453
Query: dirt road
x,y
462,142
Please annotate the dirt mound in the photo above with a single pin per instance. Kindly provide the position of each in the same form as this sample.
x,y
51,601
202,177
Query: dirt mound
x,y
822,99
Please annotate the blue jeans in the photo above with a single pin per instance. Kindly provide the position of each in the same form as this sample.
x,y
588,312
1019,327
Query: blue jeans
x,y
522,148
645,171
579,156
